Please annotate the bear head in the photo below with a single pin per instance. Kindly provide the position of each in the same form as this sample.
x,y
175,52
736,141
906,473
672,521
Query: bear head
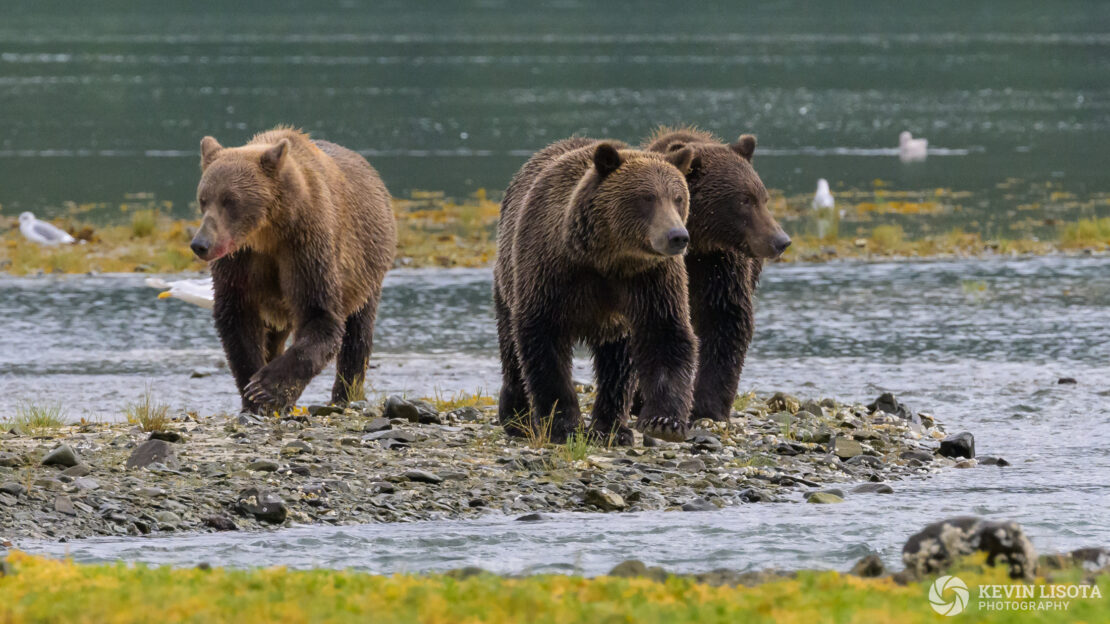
x,y
728,201
631,206
238,188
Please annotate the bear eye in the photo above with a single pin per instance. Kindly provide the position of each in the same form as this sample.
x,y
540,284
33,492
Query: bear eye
x,y
228,201
679,199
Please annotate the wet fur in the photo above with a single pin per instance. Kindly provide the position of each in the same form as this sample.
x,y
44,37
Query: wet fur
x,y
313,238
572,266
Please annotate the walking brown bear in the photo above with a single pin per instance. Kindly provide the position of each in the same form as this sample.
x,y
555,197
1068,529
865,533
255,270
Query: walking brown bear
x,y
731,233
300,234
589,248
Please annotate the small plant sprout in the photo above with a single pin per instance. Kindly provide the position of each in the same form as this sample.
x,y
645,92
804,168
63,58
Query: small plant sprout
x,y
149,414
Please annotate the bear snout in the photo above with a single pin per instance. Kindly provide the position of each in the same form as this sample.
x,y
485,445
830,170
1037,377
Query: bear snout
x,y
673,242
780,242
201,247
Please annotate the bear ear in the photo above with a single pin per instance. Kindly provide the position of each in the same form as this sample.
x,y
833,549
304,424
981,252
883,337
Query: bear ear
x,y
606,159
209,147
681,159
745,146
273,158
674,147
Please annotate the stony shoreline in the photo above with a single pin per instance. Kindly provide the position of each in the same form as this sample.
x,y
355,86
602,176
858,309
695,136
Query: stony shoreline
x,y
402,460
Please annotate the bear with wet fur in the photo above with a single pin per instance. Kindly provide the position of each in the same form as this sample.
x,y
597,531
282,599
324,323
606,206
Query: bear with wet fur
x,y
590,246
299,234
732,232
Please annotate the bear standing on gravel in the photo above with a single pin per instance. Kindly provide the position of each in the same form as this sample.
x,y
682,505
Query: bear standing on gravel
x,y
300,234
589,248
731,233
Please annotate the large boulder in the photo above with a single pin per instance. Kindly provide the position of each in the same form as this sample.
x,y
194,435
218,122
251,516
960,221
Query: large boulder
x,y
938,545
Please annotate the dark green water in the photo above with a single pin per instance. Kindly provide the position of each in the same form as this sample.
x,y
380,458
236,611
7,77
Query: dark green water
x,y
100,100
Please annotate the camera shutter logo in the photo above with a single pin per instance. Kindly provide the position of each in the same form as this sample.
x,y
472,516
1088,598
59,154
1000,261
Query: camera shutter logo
x,y
948,595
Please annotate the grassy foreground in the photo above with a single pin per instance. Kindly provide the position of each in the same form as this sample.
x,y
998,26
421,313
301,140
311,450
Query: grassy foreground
x,y
43,590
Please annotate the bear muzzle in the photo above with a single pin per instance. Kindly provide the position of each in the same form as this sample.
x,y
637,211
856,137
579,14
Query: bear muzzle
x,y
673,242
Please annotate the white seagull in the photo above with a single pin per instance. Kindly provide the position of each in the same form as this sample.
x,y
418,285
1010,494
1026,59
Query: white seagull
x,y
911,149
42,232
823,198
195,291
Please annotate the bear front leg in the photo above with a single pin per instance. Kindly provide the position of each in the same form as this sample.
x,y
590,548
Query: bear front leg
x,y
354,355
613,374
238,323
545,358
665,354
513,411
721,310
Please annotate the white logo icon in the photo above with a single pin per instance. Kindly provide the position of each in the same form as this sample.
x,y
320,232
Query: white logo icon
x,y
959,597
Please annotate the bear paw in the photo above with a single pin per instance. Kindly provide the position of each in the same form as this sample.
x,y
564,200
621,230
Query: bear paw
x,y
609,436
267,393
664,428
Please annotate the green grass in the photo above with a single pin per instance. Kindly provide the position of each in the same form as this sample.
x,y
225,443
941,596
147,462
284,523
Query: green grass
x,y
888,238
37,419
1086,232
148,413
143,223
576,448
44,590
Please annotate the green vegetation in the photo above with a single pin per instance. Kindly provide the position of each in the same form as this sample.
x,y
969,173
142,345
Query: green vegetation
x,y
44,590
38,419
1086,233
148,413
143,223
576,448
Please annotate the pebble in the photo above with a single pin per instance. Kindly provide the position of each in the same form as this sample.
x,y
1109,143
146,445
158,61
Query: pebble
x,y
605,499
263,504
845,448
63,504
873,488
699,504
80,470
263,465
824,498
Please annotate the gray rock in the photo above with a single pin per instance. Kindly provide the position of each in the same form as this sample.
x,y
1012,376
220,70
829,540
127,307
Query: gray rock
x,y
605,499
263,505
422,476
167,436
15,489
891,405
994,461
220,523
864,460
699,504
845,448
397,435
466,414
324,410
873,488
869,567
755,495
263,465
80,470
297,447
64,455
86,483
812,407
377,424
10,460
692,465
63,505
150,452
532,517
921,456
958,445
412,411
705,442
168,518
938,545
824,498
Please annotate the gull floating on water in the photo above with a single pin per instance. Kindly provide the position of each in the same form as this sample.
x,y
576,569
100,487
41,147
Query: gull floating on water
x,y
911,149
823,198
195,291
42,232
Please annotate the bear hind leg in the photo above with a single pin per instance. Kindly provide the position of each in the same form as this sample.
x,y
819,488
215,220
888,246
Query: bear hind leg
x,y
354,356
613,371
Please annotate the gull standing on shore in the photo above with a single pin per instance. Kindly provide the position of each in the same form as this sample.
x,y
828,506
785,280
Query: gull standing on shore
x,y
911,149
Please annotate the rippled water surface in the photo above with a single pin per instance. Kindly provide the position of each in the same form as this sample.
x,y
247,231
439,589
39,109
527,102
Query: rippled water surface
x,y
101,101
979,344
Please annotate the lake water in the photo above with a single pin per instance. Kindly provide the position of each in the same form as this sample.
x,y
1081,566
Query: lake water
x,y
102,102
979,344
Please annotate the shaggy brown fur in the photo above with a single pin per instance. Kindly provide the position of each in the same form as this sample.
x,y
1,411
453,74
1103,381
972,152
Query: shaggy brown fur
x,y
731,232
300,234
588,247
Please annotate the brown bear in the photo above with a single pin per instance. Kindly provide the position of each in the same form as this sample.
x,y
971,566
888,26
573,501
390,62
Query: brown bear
x,y
589,248
299,234
731,233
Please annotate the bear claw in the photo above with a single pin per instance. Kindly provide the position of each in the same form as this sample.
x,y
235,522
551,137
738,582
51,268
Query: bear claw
x,y
669,429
